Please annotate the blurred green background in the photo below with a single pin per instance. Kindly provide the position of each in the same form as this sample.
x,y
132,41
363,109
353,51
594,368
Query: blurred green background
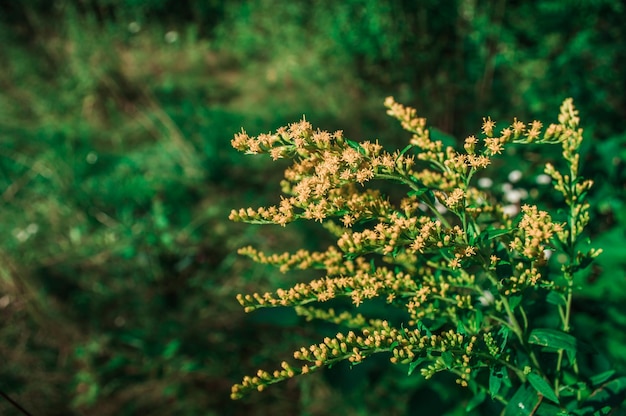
x,y
118,271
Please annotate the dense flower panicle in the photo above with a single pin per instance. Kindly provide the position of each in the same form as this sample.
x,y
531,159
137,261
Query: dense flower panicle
x,y
536,229
344,318
379,336
569,115
407,117
360,285
330,260
446,253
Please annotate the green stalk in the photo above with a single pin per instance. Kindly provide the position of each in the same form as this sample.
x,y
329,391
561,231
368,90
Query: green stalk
x,y
568,275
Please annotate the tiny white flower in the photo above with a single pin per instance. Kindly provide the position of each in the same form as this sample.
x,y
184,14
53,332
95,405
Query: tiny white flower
x,y
511,209
91,158
32,228
171,36
515,175
506,187
547,254
485,182
21,235
514,196
487,298
134,27
543,179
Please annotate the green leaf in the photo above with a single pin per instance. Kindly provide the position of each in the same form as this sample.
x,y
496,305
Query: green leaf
x,y
504,333
460,328
542,387
605,399
523,402
356,146
506,380
495,381
422,328
496,232
601,378
556,298
547,409
471,234
171,349
514,301
406,149
402,331
418,192
478,320
189,366
554,339
447,358
414,364
475,401
429,196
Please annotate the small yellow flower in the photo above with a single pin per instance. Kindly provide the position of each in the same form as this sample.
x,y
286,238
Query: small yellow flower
x,y
488,126
494,145
470,251
455,263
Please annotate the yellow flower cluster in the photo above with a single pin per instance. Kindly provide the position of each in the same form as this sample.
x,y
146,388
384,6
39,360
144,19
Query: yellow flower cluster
x,y
360,285
407,117
459,363
344,318
525,277
331,260
491,344
536,229
321,182
439,253
404,345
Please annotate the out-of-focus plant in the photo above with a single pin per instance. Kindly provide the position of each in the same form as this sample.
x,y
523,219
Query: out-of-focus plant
x,y
479,294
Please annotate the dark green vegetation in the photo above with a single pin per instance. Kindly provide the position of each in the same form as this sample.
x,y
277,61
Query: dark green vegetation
x,y
117,268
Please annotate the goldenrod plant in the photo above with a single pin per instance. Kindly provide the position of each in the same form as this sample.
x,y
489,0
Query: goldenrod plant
x,y
478,283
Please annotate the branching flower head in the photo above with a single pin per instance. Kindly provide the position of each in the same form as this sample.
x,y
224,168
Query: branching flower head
x,y
446,254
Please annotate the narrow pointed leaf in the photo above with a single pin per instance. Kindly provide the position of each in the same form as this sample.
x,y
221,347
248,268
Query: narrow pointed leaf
x,y
497,232
495,381
554,339
542,387
475,401
413,365
605,399
523,402
601,378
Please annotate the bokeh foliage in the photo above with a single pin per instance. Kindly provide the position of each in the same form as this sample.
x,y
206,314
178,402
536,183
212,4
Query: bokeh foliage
x,y
117,267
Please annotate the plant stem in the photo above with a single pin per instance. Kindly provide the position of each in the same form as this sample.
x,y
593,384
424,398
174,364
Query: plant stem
x,y
570,199
517,329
